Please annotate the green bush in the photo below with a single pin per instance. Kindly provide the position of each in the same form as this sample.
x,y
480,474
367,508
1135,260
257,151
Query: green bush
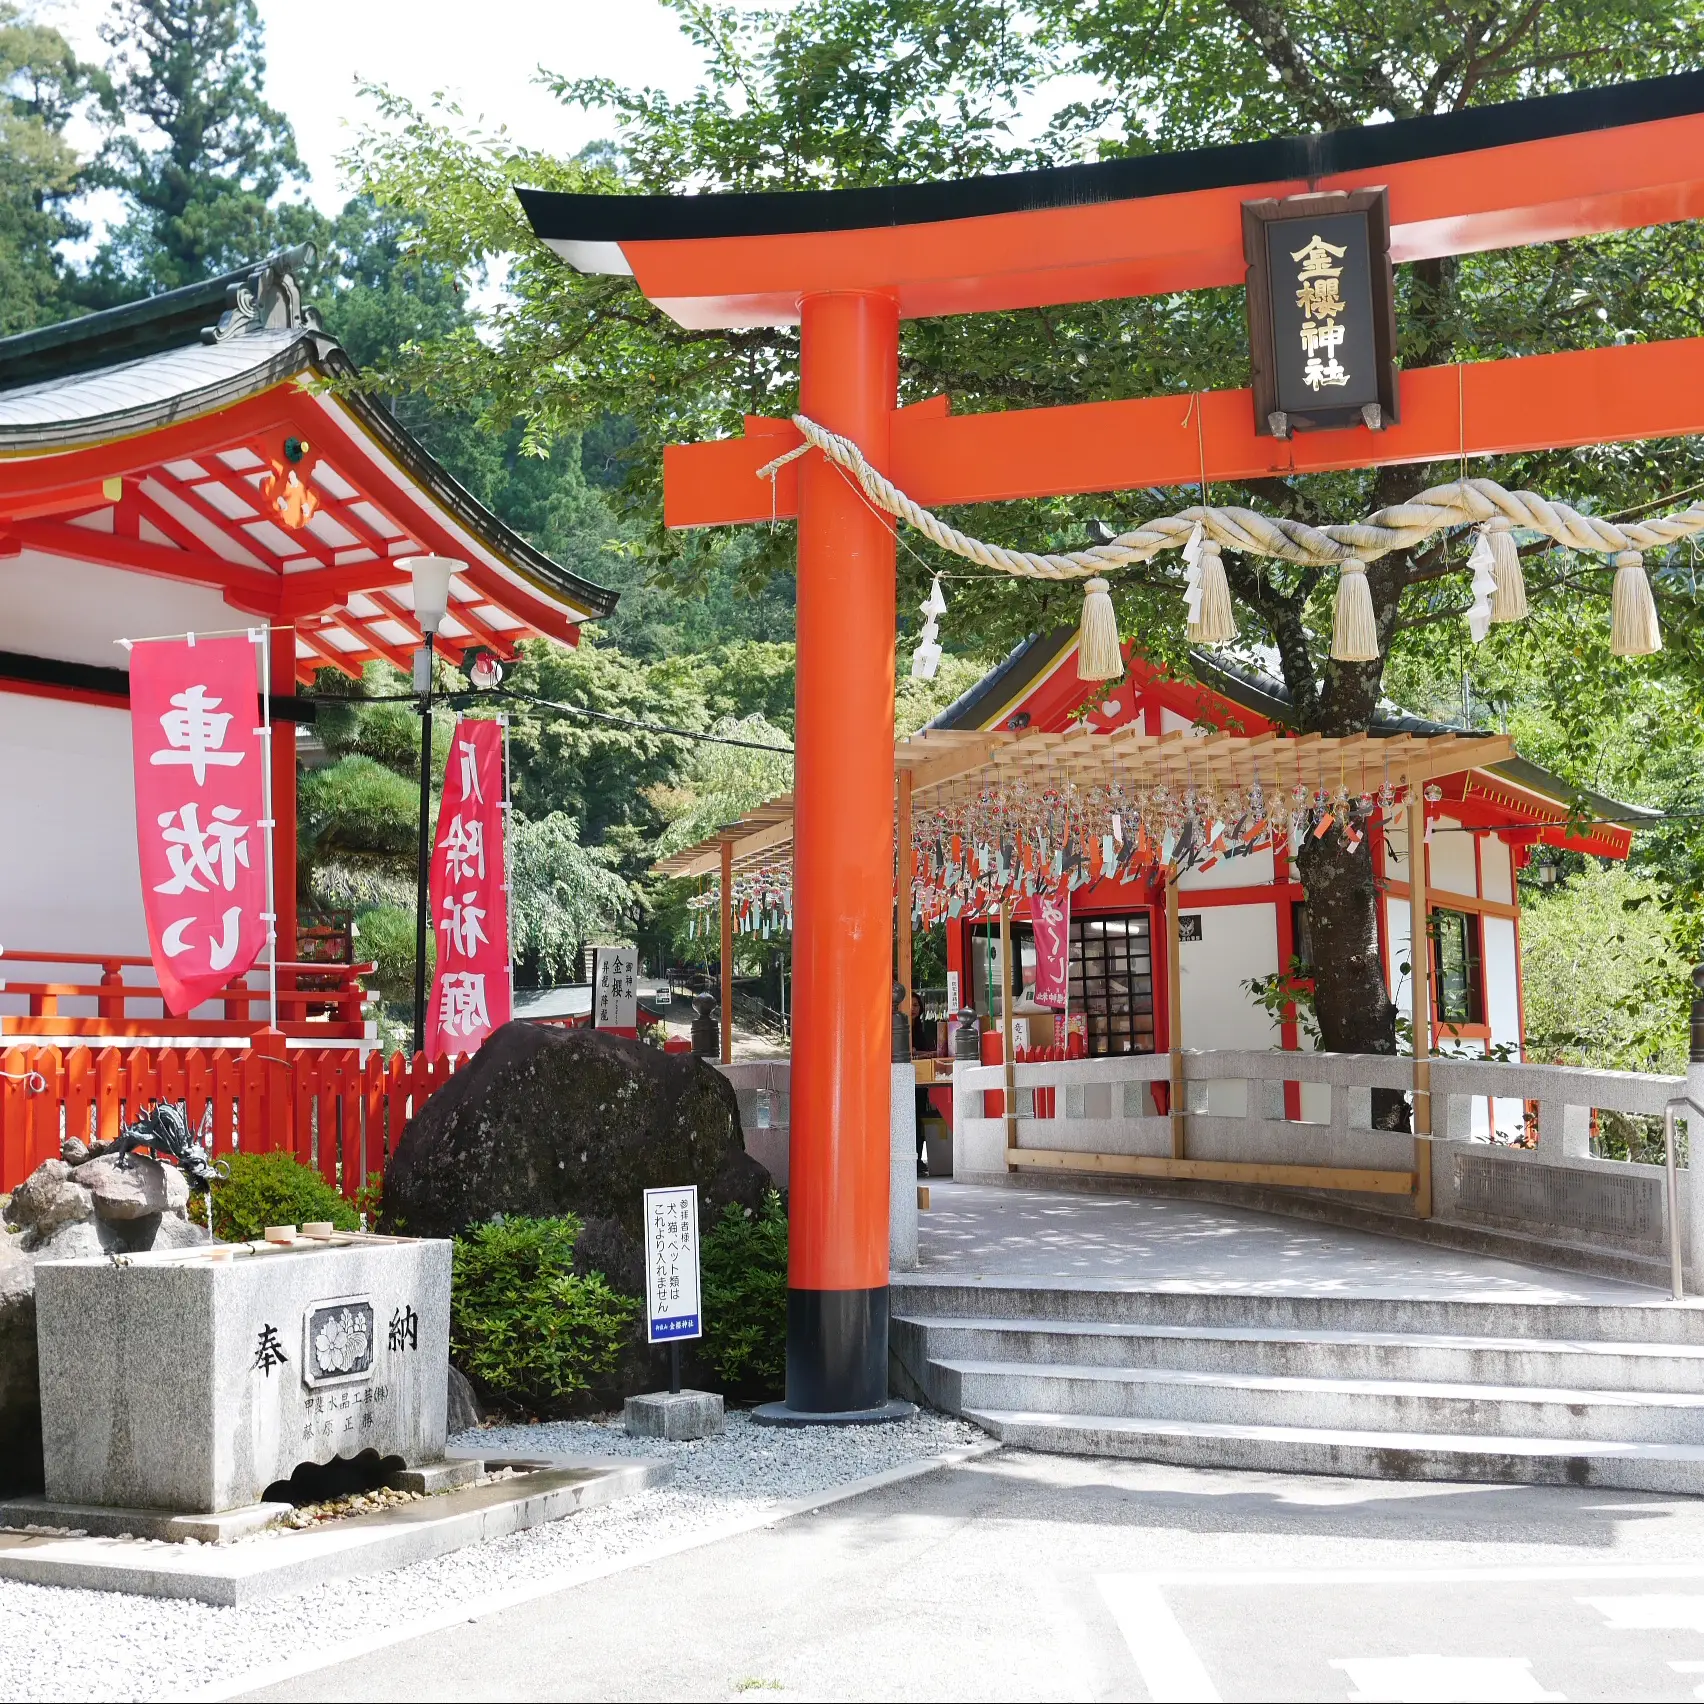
x,y
384,935
271,1189
745,1298
523,1325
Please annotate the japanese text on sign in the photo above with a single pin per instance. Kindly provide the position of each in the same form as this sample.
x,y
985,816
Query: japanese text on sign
x,y
470,902
615,988
1321,303
671,1265
200,811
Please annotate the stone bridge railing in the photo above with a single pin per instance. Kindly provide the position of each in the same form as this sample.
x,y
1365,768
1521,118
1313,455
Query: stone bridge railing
x,y
1305,1121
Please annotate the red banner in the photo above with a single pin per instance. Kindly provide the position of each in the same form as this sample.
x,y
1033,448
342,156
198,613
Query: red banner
x,y
200,805
1050,917
470,900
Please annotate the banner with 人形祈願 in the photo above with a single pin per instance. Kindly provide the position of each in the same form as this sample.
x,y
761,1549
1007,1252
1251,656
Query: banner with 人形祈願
x,y
197,743
470,901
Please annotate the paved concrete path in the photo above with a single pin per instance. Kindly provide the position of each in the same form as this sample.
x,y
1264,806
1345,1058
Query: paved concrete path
x,y
994,1231
1018,1576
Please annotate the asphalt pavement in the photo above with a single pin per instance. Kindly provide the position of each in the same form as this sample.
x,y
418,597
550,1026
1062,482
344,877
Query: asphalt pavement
x,y
1025,1576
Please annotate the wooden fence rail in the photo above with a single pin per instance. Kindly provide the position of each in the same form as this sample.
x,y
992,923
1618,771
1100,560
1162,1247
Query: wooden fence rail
x,y
323,1105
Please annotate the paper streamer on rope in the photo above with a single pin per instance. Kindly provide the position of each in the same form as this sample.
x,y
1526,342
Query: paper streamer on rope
x,y
1350,546
1482,565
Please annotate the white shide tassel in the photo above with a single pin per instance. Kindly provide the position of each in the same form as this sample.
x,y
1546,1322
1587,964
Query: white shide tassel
x,y
1633,629
1482,563
1354,633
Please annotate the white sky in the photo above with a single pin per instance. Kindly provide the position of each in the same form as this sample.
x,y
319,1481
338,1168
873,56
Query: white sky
x,y
485,55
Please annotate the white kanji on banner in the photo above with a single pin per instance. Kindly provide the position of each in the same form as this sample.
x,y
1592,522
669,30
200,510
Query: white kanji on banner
x,y
200,806
470,905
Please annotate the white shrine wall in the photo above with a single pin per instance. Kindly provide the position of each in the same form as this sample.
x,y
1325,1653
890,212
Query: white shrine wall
x,y
52,606
70,878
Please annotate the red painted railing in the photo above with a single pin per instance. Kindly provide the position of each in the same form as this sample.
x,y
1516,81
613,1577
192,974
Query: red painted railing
x,y
323,1105
316,1001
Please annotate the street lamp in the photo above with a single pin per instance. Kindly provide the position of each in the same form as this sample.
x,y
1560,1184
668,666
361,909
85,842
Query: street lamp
x,y
431,577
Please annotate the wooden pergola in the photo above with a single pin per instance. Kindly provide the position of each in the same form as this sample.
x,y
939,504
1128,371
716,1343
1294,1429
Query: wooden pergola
x,y
943,766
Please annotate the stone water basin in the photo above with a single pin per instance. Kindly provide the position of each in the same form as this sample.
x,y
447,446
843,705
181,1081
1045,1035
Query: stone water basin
x,y
191,1380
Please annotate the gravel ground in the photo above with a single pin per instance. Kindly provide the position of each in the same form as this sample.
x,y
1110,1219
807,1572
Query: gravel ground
x,y
56,1643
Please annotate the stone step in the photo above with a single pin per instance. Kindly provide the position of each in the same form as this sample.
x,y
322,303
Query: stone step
x,y
1672,1468
1645,1317
1361,1405
1427,1356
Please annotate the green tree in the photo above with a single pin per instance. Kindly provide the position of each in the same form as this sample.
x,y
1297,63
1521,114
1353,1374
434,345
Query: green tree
x,y
1605,985
561,895
194,148
845,92
42,84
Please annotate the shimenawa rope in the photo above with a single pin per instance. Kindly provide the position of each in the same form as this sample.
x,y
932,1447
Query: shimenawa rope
x,y
1349,547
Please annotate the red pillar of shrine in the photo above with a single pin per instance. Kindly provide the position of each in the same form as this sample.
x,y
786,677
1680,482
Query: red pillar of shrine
x,y
837,1300
283,685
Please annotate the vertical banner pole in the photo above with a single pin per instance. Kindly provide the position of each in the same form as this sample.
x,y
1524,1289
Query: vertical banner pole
x,y
263,637
1174,1014
1419,982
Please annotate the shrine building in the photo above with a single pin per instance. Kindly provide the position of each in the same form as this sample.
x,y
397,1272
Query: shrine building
x,y
192,463
1242,915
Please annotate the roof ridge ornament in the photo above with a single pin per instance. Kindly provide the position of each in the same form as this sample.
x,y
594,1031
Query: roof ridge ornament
x,y
268,299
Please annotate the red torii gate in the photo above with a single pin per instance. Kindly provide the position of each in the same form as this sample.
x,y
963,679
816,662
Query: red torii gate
x,y
847,266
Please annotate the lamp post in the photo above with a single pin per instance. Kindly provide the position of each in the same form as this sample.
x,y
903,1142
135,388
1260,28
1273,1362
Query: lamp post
x,y
431,576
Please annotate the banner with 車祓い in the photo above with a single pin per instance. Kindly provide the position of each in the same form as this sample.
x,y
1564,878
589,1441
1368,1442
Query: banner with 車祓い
x,y
200,811
469,896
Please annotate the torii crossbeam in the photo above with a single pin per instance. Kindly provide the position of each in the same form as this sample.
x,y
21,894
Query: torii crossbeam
x,y
847,265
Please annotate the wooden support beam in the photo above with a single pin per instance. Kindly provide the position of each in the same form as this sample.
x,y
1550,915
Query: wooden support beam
x,y
1357,1181
1618,394
1174,1019
198,567
1011,1095
1419,982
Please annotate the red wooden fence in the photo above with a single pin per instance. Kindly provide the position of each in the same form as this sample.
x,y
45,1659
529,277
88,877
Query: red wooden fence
x,y
320,1104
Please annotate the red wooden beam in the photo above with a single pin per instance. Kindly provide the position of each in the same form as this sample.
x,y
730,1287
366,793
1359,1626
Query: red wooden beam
x,y
1593,396
348,662
199,567
34,475
94,494
1577,185
362,467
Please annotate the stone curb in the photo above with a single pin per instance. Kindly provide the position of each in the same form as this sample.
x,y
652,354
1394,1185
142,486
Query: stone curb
x,y
275,1674
270,1567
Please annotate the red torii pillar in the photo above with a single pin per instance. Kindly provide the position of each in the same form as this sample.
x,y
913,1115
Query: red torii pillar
x,y
837,1279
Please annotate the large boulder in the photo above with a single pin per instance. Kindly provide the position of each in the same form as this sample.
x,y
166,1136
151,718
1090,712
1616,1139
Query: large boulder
x,y
546,1121
60,1212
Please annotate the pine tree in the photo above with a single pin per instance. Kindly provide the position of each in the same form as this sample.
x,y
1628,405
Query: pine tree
x,y
194,147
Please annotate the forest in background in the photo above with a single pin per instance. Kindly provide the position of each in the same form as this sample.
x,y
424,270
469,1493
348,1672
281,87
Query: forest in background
x,y
550,397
